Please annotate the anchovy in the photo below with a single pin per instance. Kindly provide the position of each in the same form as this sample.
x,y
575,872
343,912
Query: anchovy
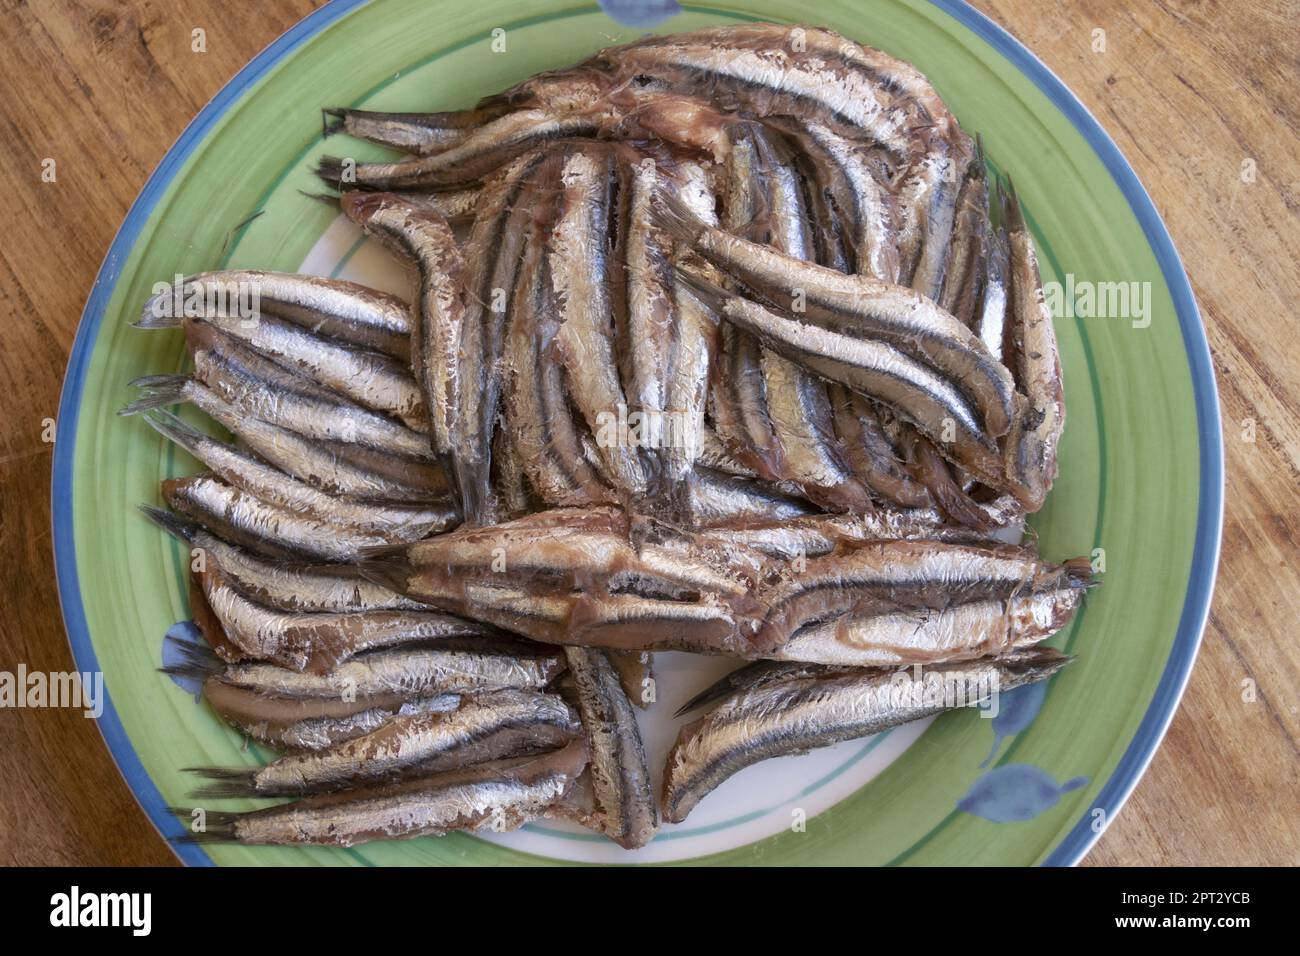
x,y
423,238
858,306
870,452
450,666
492,726
873,368
262,389
263,527
420,133
282,585
624,803
885,576
578,264
493,252
341,469
318,642
964,278
497,796
542,428
716,497
929,202
930,635
476,156
379,382
341,310
1032,354
780,717
394,524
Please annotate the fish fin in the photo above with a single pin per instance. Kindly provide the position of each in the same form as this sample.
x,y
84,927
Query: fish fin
x,y
158,395
710,294
1012,214
199,662
219,826
183,529
332,120
330,170
227,781
328,199
669,212
174,428
391,572
719,690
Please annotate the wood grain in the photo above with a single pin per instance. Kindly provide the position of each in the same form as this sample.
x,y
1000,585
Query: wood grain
x,y
1189,90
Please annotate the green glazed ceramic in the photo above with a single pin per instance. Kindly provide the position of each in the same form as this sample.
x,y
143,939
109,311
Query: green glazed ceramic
x,y
1140,488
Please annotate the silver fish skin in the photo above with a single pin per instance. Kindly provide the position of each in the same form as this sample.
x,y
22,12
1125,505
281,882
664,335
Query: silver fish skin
x,y
423,238
1031,351
578,264
319,642
719,498
260,389
420,133
501,795
624,802
371,379
874,369
884,576
471,666
282,585
694,345
991,315
493,726
493,252
859,305
319,733
797,402
265,528
476,156
781,717
397,524
929,217
964,277
341,310
550,442
331,468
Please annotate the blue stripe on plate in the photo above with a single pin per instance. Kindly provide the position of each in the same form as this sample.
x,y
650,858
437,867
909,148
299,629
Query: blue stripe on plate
x,y
1209,512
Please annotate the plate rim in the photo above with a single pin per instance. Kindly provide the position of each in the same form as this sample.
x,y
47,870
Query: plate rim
x,y
1079,839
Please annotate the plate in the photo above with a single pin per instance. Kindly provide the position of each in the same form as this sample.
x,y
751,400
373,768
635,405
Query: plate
x,y
1140,490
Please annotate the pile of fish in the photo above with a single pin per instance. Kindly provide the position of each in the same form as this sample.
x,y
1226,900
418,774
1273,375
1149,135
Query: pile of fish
x,y
719,345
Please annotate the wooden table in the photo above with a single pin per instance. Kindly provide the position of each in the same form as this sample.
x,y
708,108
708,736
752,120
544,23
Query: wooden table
x,y
1189,90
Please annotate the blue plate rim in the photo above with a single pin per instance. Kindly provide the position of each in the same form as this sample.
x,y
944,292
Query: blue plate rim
x,y
1196,604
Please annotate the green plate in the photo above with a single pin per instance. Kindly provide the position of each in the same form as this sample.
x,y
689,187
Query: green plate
x,y
1141,470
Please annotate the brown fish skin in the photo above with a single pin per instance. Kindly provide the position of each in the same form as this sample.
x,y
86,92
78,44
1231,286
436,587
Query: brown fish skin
x,y
869,451
1032,354
420,133
636,673
778,717
424,239
624,803
884,576
500,795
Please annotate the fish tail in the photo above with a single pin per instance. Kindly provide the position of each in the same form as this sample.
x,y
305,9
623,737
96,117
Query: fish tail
x,y
669,212
183,529
199,662
709,293
219,826
226,782
163,390
330,170
175,429
1012,215
333,119
388,571
158,312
